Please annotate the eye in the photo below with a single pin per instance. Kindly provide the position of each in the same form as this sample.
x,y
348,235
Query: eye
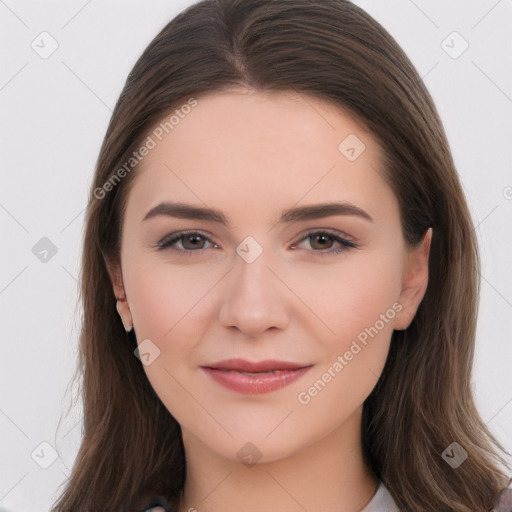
x,y
322,240
186,242
189,242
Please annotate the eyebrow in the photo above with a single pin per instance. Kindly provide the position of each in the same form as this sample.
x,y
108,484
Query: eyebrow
x,y
302,213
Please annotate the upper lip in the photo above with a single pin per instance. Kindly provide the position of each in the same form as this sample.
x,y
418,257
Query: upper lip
x,y
243,365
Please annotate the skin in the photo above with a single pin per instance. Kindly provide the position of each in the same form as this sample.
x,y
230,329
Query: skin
x,y
253,155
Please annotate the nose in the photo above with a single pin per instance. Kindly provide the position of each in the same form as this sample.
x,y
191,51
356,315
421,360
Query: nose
x,y
254,299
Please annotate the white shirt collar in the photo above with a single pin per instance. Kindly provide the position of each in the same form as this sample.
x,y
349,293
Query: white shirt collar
x,y
381,501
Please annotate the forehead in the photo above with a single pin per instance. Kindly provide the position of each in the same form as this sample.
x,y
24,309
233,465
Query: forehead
x,y
243,146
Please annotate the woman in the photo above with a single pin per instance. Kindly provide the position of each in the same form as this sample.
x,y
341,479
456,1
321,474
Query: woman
x,y
280,278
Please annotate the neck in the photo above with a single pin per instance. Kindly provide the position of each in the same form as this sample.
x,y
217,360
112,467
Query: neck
x,y
328,475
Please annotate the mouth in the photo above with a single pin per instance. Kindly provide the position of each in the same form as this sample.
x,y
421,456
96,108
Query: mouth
x,y
255,377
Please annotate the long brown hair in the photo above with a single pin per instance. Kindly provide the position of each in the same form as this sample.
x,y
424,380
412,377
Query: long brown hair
x,y
423,401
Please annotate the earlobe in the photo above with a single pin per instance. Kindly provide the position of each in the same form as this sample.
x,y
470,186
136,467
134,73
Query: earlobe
x,y
414,283
122,309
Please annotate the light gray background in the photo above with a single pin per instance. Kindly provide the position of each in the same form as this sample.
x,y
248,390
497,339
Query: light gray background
x,y
54,114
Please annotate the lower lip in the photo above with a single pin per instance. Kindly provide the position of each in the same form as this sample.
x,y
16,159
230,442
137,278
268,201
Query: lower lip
x,y
255,384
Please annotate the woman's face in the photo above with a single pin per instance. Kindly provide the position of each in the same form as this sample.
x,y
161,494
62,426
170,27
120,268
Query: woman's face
x,y
266,278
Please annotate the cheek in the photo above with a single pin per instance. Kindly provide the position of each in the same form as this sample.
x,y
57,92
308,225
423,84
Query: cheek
x,y
172,307
167,309
361,315
164,297
352,295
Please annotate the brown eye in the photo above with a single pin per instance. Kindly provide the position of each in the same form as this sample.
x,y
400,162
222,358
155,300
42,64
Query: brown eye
x,y
191,242
186,243
324,243
321,241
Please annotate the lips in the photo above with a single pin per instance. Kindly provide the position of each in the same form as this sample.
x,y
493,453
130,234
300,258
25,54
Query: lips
x,y
250,377
268,365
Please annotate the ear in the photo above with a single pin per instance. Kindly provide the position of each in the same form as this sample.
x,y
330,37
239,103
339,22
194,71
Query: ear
x,y
414,282
116,277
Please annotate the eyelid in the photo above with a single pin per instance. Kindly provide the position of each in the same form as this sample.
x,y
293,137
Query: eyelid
x,y
345,241
175,236
332,232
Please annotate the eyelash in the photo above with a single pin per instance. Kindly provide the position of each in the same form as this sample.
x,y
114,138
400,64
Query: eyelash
x,y
169,241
